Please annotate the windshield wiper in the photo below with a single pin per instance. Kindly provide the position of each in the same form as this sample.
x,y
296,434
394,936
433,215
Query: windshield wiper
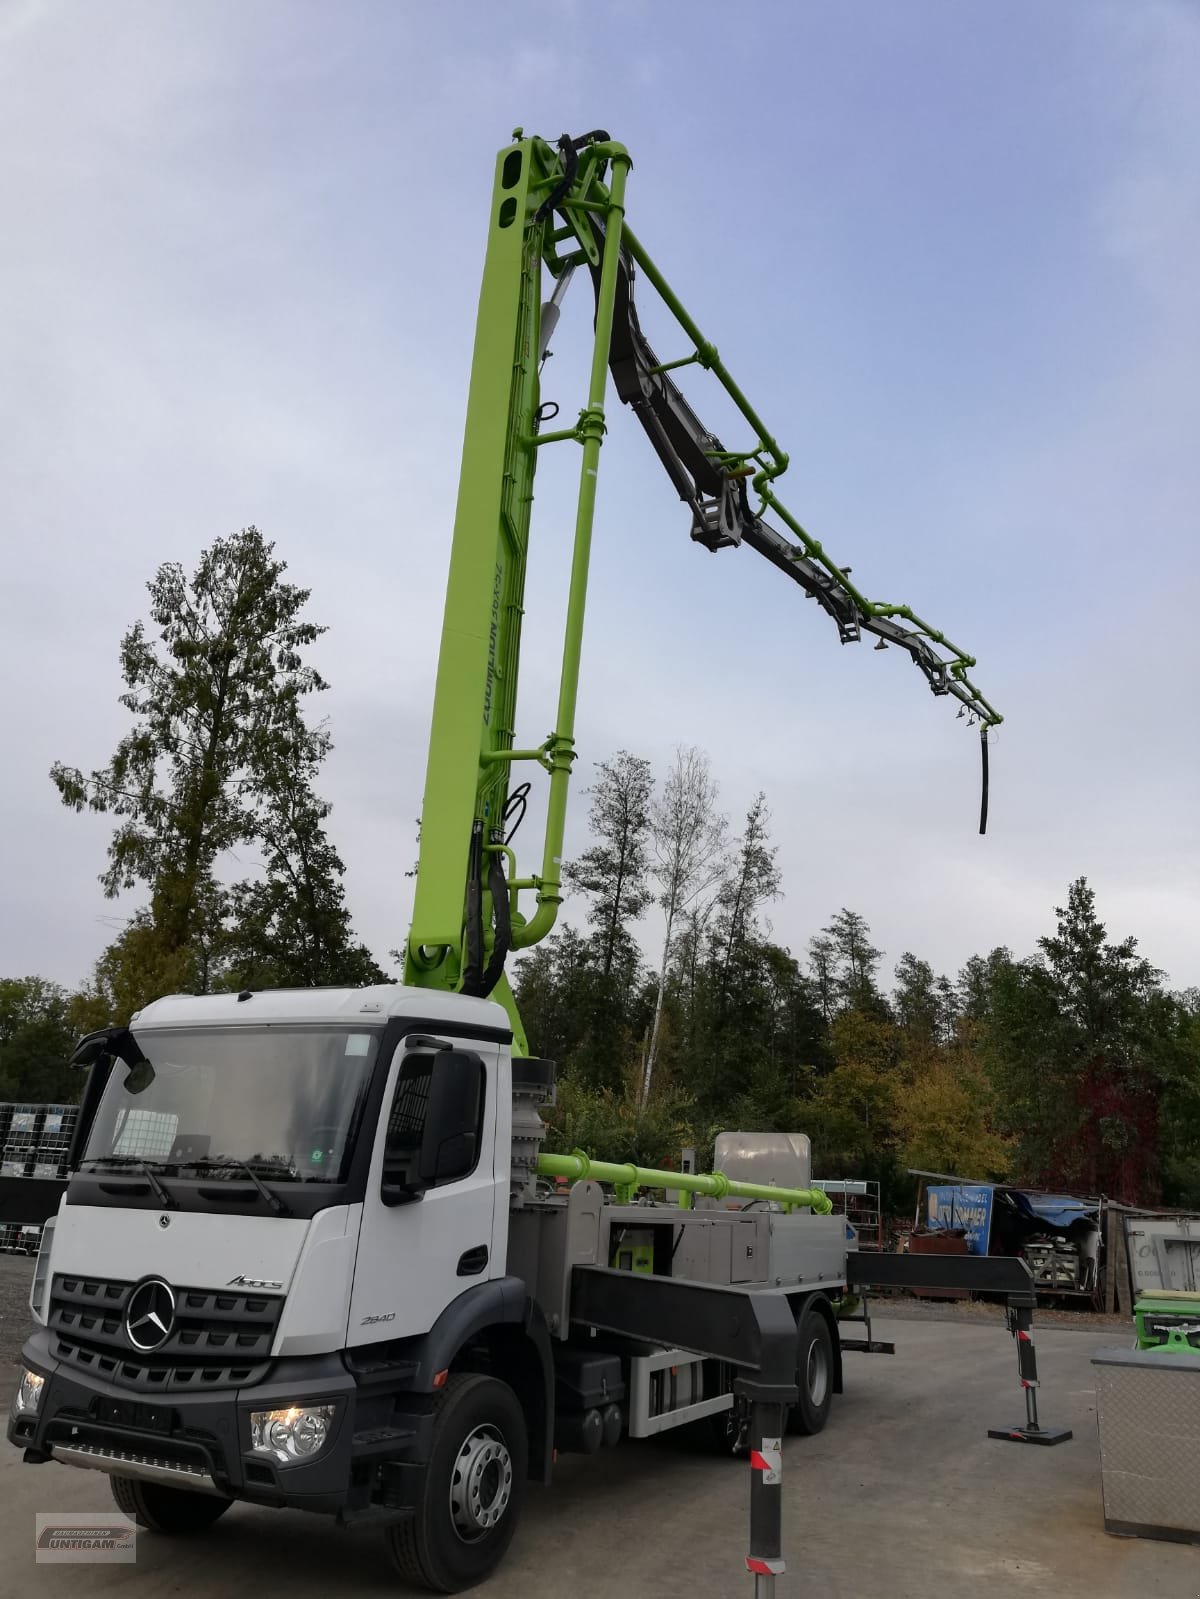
x,y
215,1163
161,1192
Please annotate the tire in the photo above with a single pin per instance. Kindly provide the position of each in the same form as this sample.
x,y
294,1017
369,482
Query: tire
x,y
814,1374
172,1511
472,1491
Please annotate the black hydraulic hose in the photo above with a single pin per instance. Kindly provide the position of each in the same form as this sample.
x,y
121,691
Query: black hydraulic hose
x,y
983,802
569,149
502,916
473,969
570,157
516,805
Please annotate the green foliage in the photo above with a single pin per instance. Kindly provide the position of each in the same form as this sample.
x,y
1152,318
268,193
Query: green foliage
x,y
614,1124
38,1031
614,871
1086,1050
215,697
923,1007
138,966
219,759
945,1118
291,928
847,963
986,1076
752,882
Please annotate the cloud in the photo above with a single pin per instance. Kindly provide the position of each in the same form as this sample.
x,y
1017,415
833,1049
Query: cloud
x,y
243,287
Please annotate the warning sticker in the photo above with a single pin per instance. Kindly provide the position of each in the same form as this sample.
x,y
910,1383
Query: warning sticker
x,y
769,1460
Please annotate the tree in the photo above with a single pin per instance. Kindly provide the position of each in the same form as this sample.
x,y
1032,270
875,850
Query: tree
x,y
1180,1107
291,928
613,1124
219,757
137,967
853,960
614,871
752,882
822,961
551,983
1082,1041
925,1005
977,983
38,1031
688,841
850,1118
943,1120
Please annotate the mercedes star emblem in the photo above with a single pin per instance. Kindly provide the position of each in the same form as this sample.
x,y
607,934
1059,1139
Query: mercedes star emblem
x,y
150,1315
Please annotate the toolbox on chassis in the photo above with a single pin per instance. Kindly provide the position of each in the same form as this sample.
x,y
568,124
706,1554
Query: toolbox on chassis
x,y
306,1258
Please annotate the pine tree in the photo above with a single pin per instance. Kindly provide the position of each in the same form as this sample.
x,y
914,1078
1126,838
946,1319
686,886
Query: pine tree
x,y
614,871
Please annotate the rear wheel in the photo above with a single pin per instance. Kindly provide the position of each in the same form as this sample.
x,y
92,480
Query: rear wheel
x,y
814,1374
470,1498
173,1511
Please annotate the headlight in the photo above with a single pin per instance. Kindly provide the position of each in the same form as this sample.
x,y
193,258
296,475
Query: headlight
x,y
29,1392
297,1433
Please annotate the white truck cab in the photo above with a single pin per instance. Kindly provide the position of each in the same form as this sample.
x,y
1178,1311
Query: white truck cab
x,y
304,1258
281,1228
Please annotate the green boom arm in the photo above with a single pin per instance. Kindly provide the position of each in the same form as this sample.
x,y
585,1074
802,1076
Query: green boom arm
x,y
628,1179
553,211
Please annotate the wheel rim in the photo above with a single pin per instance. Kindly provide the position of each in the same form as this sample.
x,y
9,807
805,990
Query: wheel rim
x,y
480,1484
817,1373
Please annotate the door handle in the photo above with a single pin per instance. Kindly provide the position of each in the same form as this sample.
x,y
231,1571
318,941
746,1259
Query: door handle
x,y
473,1261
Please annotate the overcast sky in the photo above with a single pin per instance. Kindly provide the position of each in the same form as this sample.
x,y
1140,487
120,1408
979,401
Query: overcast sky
x,y
949,251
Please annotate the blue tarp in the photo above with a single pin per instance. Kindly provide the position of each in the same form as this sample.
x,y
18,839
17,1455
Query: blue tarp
x,y
970,1206
1056,1210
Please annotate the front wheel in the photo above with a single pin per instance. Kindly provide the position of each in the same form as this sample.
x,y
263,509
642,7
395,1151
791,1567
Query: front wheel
x,y
814,1374
174,1511
470,1499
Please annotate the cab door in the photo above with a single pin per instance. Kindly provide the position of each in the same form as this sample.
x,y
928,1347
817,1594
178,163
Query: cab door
x,y
418,1253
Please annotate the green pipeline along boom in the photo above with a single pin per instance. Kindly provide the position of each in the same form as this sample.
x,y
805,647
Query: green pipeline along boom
x,y
559,210
628,1179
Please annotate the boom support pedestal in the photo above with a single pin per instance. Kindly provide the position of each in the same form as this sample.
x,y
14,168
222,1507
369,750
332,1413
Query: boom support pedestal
x,y
1020,1324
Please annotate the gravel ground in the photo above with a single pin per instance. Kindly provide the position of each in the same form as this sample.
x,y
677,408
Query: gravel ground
x,y
903,1308
904,1495
16,1274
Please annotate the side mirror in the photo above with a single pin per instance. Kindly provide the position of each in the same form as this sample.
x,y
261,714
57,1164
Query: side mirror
x,y
433,1131
450,1143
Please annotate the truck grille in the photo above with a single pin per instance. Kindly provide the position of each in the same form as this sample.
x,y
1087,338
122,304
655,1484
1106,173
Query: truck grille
x,y
218,1339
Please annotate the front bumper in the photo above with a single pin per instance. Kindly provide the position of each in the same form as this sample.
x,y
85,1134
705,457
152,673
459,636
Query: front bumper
x,y
370,1465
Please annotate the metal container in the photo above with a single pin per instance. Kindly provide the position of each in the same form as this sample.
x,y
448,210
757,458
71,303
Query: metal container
x,y
943,1241
1148,1413
778,1160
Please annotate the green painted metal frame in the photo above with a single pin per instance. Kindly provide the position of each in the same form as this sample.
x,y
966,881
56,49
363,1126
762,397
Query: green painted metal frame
x,y
579,1167
472,748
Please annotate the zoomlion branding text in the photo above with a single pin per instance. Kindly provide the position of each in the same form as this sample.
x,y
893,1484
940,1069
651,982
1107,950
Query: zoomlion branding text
x,y
493,640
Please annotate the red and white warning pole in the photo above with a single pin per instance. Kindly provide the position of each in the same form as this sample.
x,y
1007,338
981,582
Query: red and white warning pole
x,y
765,1559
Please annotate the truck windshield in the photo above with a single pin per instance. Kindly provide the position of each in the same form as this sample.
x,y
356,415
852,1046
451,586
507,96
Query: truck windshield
x,y
211,1101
